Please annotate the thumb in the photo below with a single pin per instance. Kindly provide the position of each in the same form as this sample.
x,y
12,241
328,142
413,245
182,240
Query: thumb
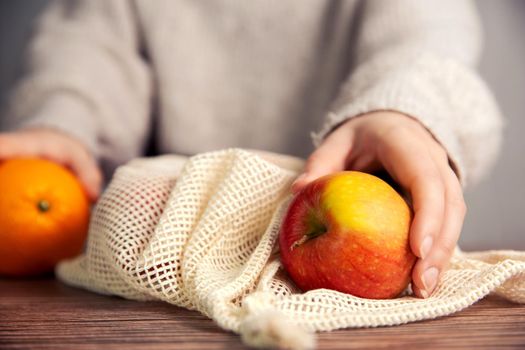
x,y
330,157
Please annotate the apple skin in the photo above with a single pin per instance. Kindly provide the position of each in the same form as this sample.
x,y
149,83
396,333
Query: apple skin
x,y
348,231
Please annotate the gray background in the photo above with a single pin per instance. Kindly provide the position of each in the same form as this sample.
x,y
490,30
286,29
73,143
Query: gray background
x,y
496,217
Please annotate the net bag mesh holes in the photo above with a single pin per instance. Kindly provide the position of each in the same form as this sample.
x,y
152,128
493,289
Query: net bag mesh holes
x,y
201,233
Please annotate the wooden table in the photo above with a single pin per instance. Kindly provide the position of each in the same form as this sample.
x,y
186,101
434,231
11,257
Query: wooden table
x,y
46,314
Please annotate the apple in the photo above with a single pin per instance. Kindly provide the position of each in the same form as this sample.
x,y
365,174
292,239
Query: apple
x,y
349,232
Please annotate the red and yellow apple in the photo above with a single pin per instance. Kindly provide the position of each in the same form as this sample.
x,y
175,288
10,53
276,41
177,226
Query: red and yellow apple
x,y
349,232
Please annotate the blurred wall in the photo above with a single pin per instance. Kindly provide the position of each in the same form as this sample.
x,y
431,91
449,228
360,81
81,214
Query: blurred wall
x,y
15,27
496,217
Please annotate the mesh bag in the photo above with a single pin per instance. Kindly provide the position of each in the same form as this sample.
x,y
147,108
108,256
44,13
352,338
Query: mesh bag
x,y
200,233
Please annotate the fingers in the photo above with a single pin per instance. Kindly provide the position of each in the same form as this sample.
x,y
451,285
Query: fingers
x,y
427,192
11,147
56,147
330,157
427,271
87,170
437,199
407,159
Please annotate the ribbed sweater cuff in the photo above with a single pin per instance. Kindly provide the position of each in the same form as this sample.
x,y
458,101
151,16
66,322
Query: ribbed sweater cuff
x,y
435,91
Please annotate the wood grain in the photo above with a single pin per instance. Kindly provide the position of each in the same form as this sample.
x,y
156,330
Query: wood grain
x,y
46,314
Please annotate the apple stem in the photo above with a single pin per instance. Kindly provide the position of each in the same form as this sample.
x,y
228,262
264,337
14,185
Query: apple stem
x,y
315,233
299,242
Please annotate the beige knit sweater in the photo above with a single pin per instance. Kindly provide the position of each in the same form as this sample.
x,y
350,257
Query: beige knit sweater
x,y
264,74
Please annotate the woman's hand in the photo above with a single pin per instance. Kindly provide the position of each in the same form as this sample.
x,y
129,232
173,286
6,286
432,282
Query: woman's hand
x,y
416,161
58,147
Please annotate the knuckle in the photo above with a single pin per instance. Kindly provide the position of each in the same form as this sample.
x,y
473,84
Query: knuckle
x,y
457,202
447,248
388,137
441,153
427,178
430,174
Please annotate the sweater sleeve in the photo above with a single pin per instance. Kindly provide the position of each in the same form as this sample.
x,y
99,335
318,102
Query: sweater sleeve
x,y
85,76
417,57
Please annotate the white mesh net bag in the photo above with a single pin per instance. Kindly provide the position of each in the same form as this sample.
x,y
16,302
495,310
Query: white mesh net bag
x,y
200,233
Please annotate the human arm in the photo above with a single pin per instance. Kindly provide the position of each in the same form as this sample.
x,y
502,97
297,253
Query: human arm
x,y
85,78
414,106
56,146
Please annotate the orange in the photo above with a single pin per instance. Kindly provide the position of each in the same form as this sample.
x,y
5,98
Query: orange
x,y
44,216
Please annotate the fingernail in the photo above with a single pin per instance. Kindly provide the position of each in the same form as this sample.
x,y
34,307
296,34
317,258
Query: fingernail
x,y
423,293
430,277
425,247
